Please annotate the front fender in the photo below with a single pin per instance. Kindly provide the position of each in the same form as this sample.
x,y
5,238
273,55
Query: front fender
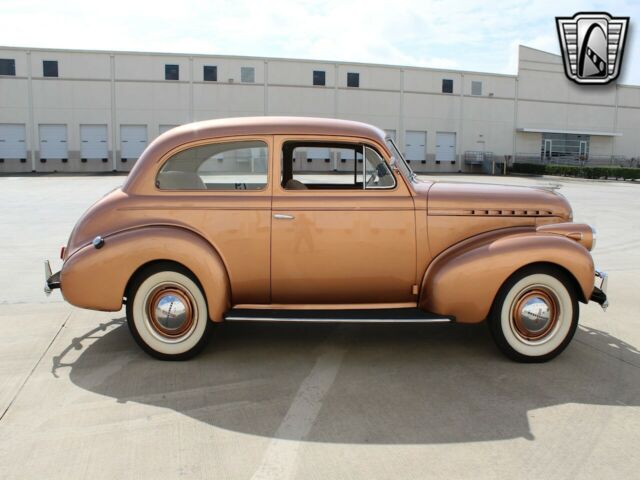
x,y
97,278
464,280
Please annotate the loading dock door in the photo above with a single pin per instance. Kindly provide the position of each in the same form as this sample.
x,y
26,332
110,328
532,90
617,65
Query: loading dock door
x,y
446,147
93,142
415,145
53,141
133,141
12,140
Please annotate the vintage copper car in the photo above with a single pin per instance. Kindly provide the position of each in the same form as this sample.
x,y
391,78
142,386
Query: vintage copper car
x,y
308,219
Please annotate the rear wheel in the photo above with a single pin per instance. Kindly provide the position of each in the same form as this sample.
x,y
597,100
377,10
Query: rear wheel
x,y
167,312
535,314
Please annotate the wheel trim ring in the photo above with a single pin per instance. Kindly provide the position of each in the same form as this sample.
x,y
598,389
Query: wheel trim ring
x,y
517,322
185,297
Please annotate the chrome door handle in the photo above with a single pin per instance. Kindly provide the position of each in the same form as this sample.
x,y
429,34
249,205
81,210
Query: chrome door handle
x,y
283,216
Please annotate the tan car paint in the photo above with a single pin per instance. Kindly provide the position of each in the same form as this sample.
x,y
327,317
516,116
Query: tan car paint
x,y
464,280
97,279
358,248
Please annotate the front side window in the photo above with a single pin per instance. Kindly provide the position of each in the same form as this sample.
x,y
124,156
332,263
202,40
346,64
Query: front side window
x,y
399,161
217,166
377,172
333,166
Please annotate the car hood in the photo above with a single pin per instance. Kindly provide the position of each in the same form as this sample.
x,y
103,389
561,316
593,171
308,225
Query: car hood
x,y
453,198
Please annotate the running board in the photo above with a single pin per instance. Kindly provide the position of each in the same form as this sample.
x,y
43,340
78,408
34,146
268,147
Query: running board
x,y
383,315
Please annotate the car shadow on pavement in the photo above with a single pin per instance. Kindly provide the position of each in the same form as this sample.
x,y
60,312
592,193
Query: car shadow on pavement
x,y
373,384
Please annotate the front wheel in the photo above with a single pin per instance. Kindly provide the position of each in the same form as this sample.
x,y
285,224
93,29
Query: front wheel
x,y
167,312
534,315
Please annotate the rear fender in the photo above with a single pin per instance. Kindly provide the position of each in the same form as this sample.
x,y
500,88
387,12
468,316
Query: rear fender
x,y
97,278
464,280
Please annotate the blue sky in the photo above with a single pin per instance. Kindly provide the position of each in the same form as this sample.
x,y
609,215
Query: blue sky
x,y
467,35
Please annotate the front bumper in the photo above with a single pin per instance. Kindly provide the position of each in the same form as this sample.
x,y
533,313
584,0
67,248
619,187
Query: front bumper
x,y
599,294
51,281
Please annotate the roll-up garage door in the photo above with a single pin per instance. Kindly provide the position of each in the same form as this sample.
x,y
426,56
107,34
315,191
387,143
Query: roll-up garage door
x,y
53,142
12,141
133,141
415,145
93,142
446,147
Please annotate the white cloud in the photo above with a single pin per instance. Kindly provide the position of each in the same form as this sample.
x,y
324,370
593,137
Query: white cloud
x,y
464,34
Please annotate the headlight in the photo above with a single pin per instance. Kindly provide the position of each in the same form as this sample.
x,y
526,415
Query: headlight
x,y
593,237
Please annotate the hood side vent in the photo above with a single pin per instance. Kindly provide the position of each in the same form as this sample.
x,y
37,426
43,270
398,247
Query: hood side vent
x,y
489,212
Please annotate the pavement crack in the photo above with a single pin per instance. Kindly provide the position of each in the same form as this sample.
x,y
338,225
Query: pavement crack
x,y
33,369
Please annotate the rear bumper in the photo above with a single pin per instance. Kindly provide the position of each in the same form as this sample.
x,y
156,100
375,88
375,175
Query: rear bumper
x,y
599,294
51,281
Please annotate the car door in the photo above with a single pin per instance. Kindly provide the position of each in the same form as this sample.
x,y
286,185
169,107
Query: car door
x,y
332,244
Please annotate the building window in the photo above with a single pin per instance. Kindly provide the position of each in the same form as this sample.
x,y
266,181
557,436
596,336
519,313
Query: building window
x,y
247,75
476,88
319,77
210,73
172,72
49,68
353,79
447,85
7,66
565,145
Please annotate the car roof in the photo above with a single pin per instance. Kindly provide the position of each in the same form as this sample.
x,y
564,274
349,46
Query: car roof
x,y
224,127
228,127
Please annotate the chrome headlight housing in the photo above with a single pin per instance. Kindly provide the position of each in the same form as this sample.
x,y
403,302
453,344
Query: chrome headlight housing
x,y
593,237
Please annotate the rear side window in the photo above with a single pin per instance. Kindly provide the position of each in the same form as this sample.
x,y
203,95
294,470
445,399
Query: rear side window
x,y
217,166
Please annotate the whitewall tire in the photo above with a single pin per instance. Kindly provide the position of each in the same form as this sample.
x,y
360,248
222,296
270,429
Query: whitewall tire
x,y
535,314
167,312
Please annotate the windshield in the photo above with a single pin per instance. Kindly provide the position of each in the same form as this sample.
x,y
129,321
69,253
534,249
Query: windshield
x,y
399,160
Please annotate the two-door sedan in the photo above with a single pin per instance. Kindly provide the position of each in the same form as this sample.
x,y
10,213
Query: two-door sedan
x,y
309,219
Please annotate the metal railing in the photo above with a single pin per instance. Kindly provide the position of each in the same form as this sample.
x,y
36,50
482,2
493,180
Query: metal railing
x,y
476,157
579,161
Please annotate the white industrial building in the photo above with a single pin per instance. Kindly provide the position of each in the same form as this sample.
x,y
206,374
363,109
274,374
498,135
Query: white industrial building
x,y
75,110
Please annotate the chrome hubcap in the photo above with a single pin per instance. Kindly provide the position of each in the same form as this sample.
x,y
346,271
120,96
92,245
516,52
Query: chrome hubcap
x,y
171,311
535,314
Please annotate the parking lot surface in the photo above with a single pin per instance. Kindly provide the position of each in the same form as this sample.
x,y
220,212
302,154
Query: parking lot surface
x,y
78,399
